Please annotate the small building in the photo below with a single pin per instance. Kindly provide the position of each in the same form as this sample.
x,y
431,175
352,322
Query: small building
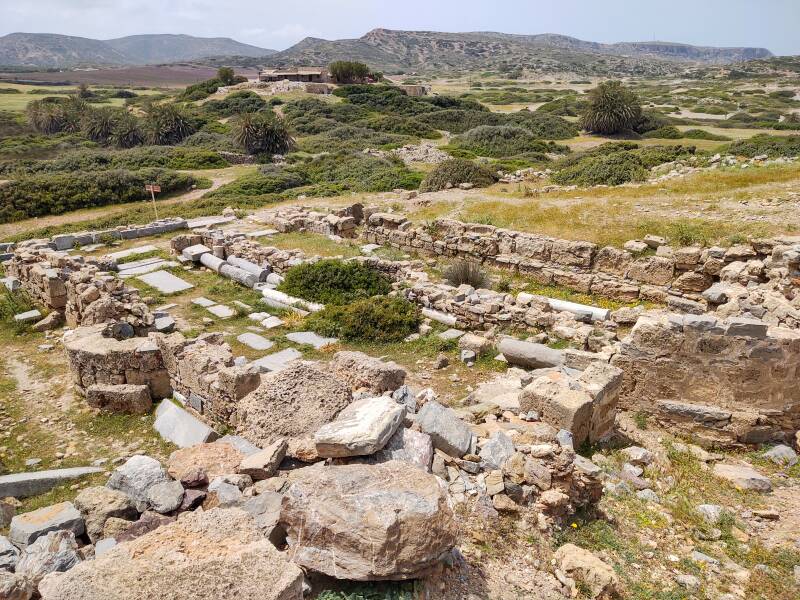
x,y
301,74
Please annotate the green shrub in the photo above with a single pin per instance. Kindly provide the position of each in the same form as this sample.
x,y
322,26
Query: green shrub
x,y
542,125
257,184
702,134
358,172
503,141
400,125
459,121
56,193
466,273
454,172
334,282
614,169
350,138
262,132
670,132
235,103
771,145
378,319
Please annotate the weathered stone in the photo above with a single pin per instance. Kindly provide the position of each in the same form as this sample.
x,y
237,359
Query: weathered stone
x,y
23,485
447,431
277,361
559,406
213,460
98,504
497,450
9,555
585,568
223,494
15,587
529,355
255,341
362,371
637,455
212,554
165,282
367,522
309,338
149,521
409,446
166,496
135,477
743,477
181,427
264,463
293,404
54,552
782,455
27,527
362,428
124,398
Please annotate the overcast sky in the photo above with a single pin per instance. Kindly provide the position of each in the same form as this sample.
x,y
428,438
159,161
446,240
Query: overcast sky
x,y
774,24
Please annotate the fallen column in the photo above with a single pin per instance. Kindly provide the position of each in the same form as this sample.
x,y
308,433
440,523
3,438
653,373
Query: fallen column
x,y
530,355
212,262
238,275
595,313
261,272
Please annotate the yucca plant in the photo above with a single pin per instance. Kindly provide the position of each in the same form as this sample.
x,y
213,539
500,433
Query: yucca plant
x,y
612,109
167,124
98,124
45,117
262,132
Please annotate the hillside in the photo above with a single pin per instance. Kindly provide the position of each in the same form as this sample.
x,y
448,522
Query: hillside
x,y
431,51
58,51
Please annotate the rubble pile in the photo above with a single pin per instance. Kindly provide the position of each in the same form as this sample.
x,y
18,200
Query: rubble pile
x,y
341,222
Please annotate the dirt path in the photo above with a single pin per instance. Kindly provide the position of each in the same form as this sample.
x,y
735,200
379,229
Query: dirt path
x,y
218,179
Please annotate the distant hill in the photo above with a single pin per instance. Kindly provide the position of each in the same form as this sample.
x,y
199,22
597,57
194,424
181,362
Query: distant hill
x,y
51,50
390,50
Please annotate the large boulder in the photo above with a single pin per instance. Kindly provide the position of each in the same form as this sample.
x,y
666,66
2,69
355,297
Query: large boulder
x,y
362,428
15,587
52,553
197,465
135,477
98,504
27,527
367,522
743,477
202,556
447,431
559,405
362,371
293,404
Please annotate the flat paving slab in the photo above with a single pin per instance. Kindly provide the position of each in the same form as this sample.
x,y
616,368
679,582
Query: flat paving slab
x,y
451,334
132,252
181,427
277,361
209,221
204,302
148,265
262,233
30,315
165,282
23,485
272,322
255,341
221,311
311,339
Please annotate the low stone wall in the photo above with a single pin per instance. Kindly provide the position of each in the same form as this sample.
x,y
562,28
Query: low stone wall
x,y
341,222
204,372
95,359
673,276
721,382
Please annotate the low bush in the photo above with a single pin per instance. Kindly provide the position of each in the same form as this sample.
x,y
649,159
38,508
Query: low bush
x,y
257,184
235,103
771,145
543,125
334,282
358,172
613,169
379,319
459,121
350,138
670,132
466,273
400,126
503,141
56,193
454,172
702,134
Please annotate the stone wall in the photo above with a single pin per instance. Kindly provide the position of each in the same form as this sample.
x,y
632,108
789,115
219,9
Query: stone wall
x,y
673,276
341,222
95,359
721,382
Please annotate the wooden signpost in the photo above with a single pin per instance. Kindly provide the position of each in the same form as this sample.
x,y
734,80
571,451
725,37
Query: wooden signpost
x,y
153,189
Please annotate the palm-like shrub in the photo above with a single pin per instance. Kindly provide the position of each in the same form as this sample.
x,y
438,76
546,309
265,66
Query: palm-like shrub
x,y
612,109
262,132
45,117
127,131
466,273
98,124
167,124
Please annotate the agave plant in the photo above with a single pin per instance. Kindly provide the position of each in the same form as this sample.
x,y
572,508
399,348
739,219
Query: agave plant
x,y
45,117
262,132
127,131
612,109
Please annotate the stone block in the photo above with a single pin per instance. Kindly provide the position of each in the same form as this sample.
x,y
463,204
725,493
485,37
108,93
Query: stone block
x,y
362,428
23,485
180,427
123,398
559,406
529,355
27,527
447,431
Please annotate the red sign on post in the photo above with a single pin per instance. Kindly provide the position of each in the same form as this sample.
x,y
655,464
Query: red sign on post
x,y
152,187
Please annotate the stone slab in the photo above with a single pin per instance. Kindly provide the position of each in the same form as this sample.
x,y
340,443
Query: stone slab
x,y
194,253
221,311
451,334
255,341
165,282
361,429
148,267
27,316
204,302
311,339
208,221
262,233
132,252
180,427
277,361
29,526
272,322
23,485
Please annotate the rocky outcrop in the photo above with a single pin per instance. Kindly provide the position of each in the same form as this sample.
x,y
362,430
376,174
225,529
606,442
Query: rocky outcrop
x,y
367,522
214,554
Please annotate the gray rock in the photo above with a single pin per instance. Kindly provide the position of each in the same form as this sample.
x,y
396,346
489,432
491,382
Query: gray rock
x,y
277,361
103,546
468,357
565,439
27,316
530,355
98,504
743,477
55,552
743,327
450,334
448,433
711,513
405,396
194,253
311,339
28,527
23,485
700,557
8,554
637,455
242,445
719,293
255,341
181,427
166,496
497,450
782,455
15,587
408,446
264,463
266,510
135,477
688,582
648,496
228,495
362,428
